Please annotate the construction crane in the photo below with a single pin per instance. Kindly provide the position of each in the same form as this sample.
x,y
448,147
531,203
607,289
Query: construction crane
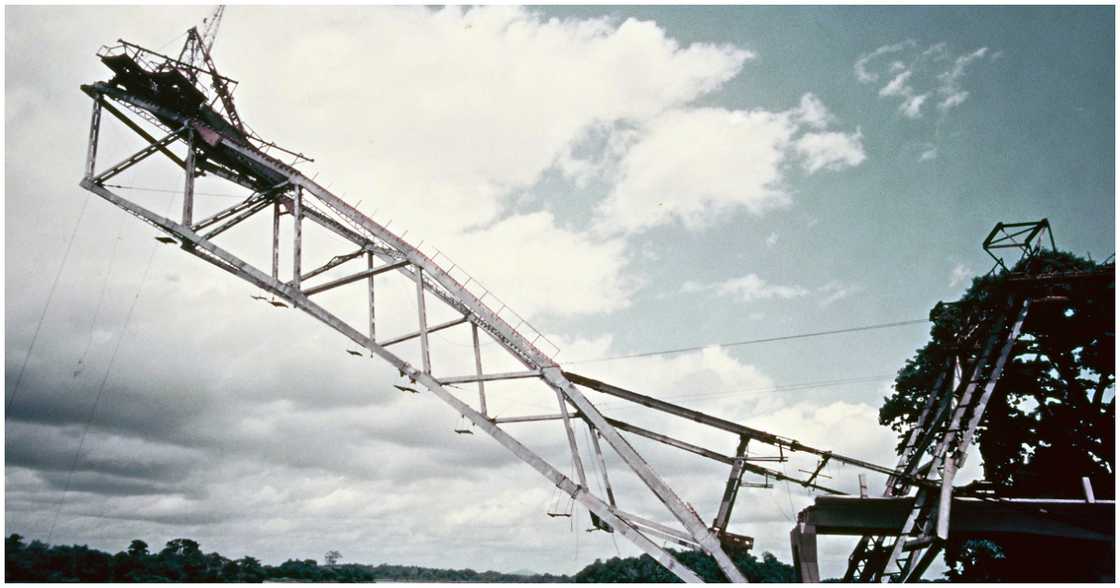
x,y
164,101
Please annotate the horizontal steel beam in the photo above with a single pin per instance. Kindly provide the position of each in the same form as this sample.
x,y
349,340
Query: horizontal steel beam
x,y
531,418
237,219
970,517
489,377
223,214
353,278
431,329
723,424
715,456
670,441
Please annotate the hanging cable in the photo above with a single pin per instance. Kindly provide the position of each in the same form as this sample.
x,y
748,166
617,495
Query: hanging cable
x,y
781,388
97,310
167,44
751,341
50,296
101,387
170,191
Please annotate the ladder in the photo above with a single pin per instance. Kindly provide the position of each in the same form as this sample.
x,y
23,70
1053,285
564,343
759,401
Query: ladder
x,y
905,556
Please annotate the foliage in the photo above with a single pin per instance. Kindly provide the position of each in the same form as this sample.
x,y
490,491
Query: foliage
x,y
645,569
1051,417
182,560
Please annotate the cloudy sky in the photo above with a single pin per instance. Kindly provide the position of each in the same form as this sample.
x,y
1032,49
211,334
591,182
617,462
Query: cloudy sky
x,y
629,179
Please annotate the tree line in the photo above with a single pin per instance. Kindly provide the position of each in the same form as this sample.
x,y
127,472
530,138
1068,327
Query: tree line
x,y
182,560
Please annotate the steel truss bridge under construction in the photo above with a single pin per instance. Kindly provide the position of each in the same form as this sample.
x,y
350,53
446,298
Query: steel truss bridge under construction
x,y
183,109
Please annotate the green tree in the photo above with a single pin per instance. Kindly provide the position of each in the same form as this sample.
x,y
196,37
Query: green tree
x,y
1051,417
250,569
138,549
645,569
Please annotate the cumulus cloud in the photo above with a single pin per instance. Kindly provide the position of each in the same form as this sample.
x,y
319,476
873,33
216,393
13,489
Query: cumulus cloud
x,y
542,265
813,112
736,160
733,160
831,151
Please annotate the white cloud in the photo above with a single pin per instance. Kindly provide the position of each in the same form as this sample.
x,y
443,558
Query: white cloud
x,y
462,108
960,275
897,86
831,151
920,70
835,291
735,160
556,271
863,74
813,112
950,80
747,288
919,74
772,239
912,106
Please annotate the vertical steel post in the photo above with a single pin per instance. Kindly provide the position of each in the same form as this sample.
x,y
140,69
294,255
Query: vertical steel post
x,y
602,465
803,540
422,312
373,326
734,480
297,235
1087,487
188,186
276,240
94,134
478,369
577,461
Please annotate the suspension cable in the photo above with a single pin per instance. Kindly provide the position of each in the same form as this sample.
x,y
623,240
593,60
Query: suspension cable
x,y
50,297
751,341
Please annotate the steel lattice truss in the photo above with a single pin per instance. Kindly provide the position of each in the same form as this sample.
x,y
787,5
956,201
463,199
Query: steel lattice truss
x,y
947,422
157,91
937,445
